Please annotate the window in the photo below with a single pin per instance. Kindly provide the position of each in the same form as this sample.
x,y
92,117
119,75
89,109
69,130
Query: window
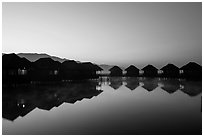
x,y
181,71
22,71
55,72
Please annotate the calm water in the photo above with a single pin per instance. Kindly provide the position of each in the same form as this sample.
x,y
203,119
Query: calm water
x,y
105,106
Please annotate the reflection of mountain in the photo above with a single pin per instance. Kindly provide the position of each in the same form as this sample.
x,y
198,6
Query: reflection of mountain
x,y
116,82
150,84
21,101
170,85
192,88
132,83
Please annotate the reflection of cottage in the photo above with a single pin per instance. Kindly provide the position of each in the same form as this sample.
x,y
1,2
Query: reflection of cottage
x,y
10,109
150,84
15,105
192,88
116,71
15,69
132,83
21,101
149,71
46,69
132,71
80,91
170,85
191,70
170,70
116,82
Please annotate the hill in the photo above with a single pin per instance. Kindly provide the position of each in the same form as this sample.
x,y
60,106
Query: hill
x,y
35,56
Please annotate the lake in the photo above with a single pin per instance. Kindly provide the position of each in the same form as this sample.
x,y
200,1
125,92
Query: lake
x,y
109,105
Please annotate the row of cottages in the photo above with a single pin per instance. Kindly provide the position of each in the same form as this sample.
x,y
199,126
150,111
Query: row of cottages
x,y
70,69
21,70
132,71
15,68
189,71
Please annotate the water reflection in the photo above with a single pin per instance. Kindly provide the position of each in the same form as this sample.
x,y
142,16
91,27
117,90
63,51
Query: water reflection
x,y
170,85
149,83
20,101
132,83
192,88
132,109
116,82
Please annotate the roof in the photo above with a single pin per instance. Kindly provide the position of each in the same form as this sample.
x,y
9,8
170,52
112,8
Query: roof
x,y
88,66
131,67
149,68
71,65
15,62
46,63
192,66
170,67
10,60
115,68
25,63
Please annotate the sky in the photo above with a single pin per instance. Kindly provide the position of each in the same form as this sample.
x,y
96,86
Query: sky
x,y
106,33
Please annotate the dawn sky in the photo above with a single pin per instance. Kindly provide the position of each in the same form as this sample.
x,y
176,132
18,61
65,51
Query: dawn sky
x,y
106,33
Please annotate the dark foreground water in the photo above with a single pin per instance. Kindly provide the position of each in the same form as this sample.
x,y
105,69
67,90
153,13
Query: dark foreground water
x,y
105,106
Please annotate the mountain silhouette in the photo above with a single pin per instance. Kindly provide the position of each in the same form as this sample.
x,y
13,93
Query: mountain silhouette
x,y
35,56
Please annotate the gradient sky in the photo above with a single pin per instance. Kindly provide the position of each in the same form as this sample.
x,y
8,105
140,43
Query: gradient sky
x,y
106,33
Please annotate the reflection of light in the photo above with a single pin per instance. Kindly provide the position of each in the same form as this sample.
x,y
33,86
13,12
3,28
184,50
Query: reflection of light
x,y
160,71
181,79
160,84
181,86
55,95
181,71
22,71
141,72
55,72
98,87
19,104
141,83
